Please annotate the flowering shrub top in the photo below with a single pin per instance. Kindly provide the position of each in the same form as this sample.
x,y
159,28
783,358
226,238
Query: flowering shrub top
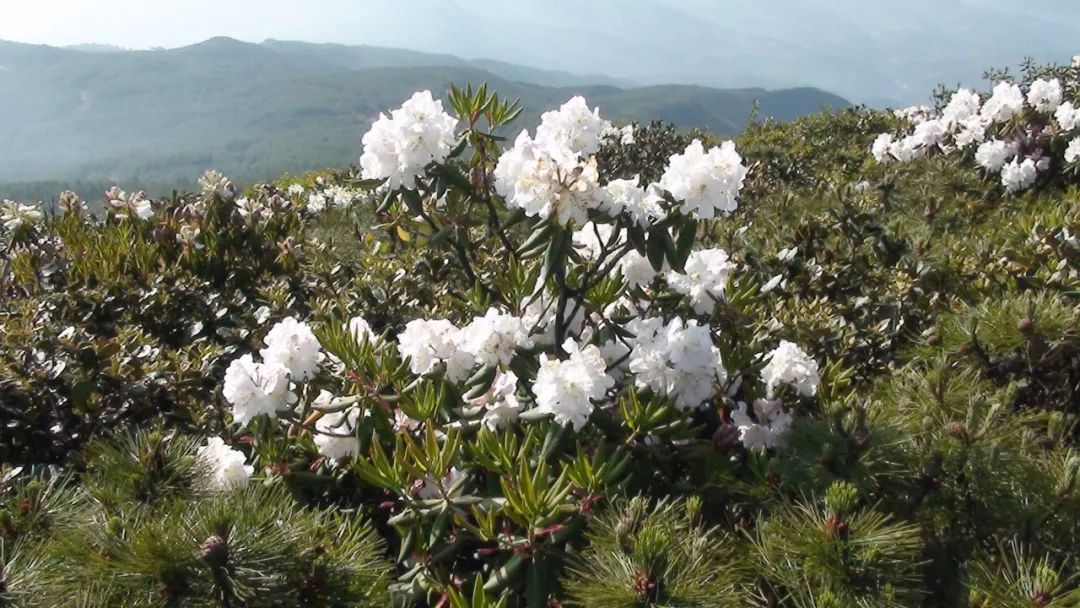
x,y
1019,136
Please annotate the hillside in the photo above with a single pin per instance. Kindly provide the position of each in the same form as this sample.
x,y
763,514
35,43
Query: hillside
x,y
254,110
832,362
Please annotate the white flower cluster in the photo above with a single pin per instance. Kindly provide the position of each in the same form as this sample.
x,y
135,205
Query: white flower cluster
x,y
399,147
676,359
555,175
625,135
227,467
790,365
338,197
705,279
129,205
14,214
427,343
254,389
213,183
767,428
567,389
1072,152
335,429
490,340
493,338
293,345
627,195
259,209
966,120
501,405
188,236
707,182
292,352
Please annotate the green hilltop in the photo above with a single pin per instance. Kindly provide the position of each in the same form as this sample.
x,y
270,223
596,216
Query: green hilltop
x,y
161,117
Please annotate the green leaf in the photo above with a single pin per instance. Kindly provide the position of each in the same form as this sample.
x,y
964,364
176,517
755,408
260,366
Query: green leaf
x,y
502,577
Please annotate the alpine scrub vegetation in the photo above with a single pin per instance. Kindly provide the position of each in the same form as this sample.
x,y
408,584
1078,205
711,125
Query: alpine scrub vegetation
x,y
582,365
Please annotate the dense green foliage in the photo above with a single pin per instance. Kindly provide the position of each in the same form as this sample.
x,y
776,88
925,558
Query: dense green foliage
x,y
935,467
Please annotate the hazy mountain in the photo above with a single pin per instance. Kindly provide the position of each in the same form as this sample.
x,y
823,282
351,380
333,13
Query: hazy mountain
x,y
254,110
873,52
95,48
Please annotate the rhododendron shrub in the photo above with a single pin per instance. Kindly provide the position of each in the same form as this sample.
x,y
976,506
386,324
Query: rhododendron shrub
x,y
595,337
1020,132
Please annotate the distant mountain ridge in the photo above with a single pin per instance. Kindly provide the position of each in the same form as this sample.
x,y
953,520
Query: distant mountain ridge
x,y
256,110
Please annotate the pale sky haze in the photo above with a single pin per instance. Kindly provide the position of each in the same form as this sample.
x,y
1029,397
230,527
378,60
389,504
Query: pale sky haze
x,y
873,51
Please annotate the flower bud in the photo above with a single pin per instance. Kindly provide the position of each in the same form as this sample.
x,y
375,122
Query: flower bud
x,y
214,551
646,587
956,429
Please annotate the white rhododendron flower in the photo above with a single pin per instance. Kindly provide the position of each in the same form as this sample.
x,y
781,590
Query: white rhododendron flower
x,y
293,345
641,204
705,182
493,338
227,467
335,431
772,283
1072,152
592,238
435,489
399,147
1067,116
913,114
213,183
340,196
907,149
637,270
404,424
882,147
539,317
249,207
573,127
188,235
1045,95
359,328
129,205
790,365
429,342
930,133
962,105
705,279
317,202
992,155
1017,175
767,429
14,214
254,389
1005,102
500,403
567,389
624,135
971,130
677,359
546,181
